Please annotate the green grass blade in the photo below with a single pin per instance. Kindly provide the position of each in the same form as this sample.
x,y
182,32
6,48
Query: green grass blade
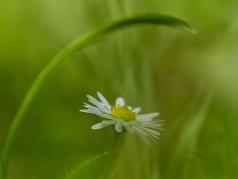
x,y
63,55
92,168
187,140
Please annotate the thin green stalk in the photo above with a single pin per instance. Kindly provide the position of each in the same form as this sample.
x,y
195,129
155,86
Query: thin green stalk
x,y
85,40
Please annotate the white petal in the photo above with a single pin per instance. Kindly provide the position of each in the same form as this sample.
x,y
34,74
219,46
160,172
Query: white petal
x,y
120,101
118,127
92,100
151,132
128,127
157,124
90,107
143,135
97,103
136,110
108,122
85,110
98,126
104,100
98,112
90,111
106,116
96,108
143,131
146,117
149,135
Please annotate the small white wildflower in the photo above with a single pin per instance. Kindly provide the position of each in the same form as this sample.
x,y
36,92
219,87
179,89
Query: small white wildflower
x,y
123,117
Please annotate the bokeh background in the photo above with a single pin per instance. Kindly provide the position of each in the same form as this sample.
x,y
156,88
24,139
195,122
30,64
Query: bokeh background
x,y
192,80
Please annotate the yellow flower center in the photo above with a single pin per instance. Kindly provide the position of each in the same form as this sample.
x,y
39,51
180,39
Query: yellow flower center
x,y
123,112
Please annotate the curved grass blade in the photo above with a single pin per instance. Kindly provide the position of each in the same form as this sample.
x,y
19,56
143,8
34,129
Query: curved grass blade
x,y
63,55
92,168
187,140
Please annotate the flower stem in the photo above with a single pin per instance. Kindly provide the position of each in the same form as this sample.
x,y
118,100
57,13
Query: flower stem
x,y
78,44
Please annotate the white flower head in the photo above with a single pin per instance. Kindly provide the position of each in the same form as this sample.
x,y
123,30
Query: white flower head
x,y
123,117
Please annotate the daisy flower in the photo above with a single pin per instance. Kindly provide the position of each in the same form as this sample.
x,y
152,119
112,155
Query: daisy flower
x,y
123,117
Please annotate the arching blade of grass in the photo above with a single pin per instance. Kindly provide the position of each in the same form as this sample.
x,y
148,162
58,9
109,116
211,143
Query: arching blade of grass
x,y
187,140
85,40
92,168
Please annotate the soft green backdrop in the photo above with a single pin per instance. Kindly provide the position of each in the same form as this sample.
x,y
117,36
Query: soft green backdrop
x,y
192,80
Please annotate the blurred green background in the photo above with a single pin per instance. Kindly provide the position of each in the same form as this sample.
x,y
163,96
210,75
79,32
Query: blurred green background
x,y
192,80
